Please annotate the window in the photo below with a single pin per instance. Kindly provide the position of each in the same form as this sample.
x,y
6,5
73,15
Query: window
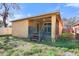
x,y
48,27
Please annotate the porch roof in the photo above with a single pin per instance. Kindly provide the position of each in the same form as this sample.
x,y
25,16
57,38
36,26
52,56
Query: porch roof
x,y
38,16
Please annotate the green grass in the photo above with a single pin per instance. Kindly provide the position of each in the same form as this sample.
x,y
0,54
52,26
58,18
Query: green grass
x,y
25,47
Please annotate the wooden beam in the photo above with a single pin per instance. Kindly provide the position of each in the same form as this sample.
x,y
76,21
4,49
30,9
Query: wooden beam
x,y
53,27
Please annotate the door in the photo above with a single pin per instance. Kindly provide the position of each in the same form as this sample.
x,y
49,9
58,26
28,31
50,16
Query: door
x,y
37,28
47,28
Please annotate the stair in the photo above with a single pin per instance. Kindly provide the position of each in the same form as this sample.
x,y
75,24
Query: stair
x,y
35,36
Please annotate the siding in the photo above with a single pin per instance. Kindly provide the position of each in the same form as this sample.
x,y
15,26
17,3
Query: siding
x,y
20,28
60,29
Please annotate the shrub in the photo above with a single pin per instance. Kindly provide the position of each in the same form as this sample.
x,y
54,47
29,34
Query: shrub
x,y
67,35
76,51
5,46
51,53
22,52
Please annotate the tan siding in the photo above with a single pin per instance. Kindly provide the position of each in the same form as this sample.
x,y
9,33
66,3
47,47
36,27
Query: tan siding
x,y
60,29
60,26
20,28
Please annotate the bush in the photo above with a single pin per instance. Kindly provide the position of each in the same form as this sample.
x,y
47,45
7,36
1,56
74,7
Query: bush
x,y
51,53
67,35
67,43
22,52
5,45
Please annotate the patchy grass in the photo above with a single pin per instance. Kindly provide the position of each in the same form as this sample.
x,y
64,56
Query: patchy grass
x,y
25,47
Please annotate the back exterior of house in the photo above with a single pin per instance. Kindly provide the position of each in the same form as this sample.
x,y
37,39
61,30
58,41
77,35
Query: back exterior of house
x,y
46,26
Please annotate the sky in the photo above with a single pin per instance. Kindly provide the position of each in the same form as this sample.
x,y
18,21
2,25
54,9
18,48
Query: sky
x,y
67,10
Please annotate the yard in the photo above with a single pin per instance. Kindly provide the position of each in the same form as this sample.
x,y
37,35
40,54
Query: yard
x,y
24,47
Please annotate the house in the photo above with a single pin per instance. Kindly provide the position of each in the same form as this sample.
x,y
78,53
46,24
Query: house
x,y
75,28
44,26
68,30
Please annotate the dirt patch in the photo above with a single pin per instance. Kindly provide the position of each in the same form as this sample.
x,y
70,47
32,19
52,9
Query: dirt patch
x,y
69,54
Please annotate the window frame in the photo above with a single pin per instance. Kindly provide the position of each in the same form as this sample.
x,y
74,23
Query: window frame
x,y
47,26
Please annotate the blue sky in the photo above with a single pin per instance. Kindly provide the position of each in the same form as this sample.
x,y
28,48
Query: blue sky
x,y
67,10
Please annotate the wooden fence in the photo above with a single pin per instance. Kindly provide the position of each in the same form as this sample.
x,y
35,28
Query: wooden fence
x,y
5,31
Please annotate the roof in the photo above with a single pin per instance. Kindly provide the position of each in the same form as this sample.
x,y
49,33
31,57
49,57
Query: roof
x,y
52,13
77,23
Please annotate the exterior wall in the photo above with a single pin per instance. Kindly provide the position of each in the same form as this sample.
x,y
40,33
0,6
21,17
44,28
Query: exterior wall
x,y
20,28
59,25
5,31
75,33
75,28
56,27
60,28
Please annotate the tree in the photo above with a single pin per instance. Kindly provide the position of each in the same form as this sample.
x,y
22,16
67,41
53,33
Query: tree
x,y
1,23
69,22
6,11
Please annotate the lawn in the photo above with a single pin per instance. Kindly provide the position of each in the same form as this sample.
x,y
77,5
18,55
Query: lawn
x,y
25,47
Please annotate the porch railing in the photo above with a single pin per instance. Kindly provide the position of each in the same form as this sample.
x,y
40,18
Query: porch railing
x,y
41,32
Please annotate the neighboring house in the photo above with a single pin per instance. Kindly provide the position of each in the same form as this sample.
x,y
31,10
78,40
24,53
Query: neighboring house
x,y
44,26
68,30
76,28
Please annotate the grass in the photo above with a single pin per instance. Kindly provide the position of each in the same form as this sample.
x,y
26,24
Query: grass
x,y
25,47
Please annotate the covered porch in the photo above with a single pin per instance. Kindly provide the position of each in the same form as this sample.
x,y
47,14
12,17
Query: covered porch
x,y
43,28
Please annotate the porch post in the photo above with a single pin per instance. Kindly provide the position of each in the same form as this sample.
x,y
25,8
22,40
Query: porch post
x,y
53,27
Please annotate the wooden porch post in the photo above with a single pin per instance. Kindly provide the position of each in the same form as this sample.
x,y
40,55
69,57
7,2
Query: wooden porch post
x,y
53,27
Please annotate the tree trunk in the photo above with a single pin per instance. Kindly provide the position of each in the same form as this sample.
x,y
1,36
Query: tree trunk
x,y
4,22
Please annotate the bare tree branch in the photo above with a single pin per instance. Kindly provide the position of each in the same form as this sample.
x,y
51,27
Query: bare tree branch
x,y
6,7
